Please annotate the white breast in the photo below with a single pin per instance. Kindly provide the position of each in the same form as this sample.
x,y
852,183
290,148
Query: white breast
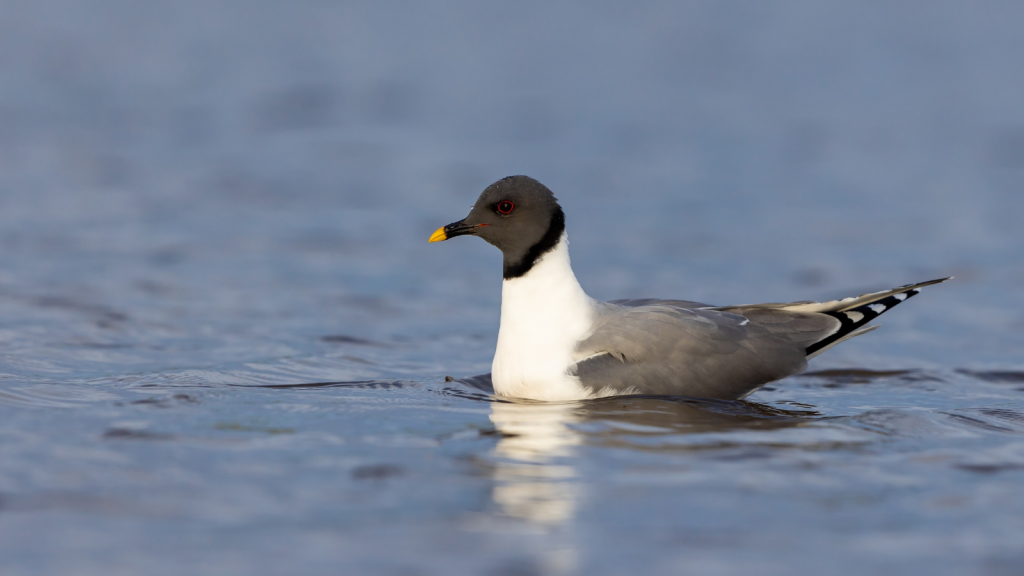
x,y
544,313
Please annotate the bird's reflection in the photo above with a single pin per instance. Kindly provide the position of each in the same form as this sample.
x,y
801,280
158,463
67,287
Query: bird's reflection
x,y
534,477
535,460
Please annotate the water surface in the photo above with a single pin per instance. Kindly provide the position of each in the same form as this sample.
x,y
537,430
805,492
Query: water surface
x,y
225,344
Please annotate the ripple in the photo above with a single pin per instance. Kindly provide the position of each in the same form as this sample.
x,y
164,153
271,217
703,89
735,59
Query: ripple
x,y
1003,413
990,468
842,377
861,373
376,472
998,376
346,339
460,393
901,423
977,423
371,384
132,434
989,419
480,382
166,401
288,372
52,396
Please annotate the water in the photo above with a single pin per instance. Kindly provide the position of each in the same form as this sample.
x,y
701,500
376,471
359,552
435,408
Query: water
x,y
224,341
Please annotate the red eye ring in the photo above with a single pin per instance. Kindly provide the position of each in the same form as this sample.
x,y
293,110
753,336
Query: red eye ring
x,y
505,207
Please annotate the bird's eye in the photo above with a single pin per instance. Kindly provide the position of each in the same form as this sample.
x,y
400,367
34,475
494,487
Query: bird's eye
x,y
506,207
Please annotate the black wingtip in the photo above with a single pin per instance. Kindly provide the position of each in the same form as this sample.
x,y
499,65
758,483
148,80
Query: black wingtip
x,y
928,283
856,318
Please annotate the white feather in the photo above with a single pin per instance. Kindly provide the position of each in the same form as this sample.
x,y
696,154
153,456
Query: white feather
x,y
854,316
544,314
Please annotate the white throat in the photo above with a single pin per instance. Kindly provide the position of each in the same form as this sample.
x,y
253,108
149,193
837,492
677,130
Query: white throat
x,y
544,314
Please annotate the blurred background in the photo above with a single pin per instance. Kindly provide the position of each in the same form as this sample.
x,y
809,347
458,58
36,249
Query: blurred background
x,y
197,163
213,193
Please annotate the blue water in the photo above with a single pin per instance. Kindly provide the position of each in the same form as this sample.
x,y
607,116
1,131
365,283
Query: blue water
x,y
207,208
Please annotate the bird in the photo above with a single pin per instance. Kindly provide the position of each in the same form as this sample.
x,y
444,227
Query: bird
x,y
556,343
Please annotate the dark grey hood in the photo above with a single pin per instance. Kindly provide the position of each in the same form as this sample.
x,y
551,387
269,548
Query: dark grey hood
x,y
519,216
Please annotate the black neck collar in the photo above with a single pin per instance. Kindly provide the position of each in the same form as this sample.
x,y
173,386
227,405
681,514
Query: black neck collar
x,y
546,244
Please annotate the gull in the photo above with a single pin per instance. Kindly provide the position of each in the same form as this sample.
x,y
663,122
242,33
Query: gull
x,y
555,343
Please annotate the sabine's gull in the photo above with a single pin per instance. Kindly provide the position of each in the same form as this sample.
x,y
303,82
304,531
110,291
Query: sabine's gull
x,y
557,343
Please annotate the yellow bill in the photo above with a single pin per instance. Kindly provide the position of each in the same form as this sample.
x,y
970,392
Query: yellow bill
x,y
438,235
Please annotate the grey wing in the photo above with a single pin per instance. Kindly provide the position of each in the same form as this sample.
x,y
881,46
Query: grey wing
x,y
664,349
854,315
669,347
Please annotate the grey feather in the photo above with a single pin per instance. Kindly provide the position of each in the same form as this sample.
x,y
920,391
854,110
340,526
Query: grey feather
x,y
664,349
634,302
676,347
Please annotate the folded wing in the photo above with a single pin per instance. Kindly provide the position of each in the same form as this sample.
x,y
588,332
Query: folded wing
x,y
685,348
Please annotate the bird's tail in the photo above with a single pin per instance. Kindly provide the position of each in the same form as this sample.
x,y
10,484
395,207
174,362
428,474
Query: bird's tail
x,y
855,313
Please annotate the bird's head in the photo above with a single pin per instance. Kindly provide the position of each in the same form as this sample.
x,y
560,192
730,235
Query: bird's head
x,y
519,216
